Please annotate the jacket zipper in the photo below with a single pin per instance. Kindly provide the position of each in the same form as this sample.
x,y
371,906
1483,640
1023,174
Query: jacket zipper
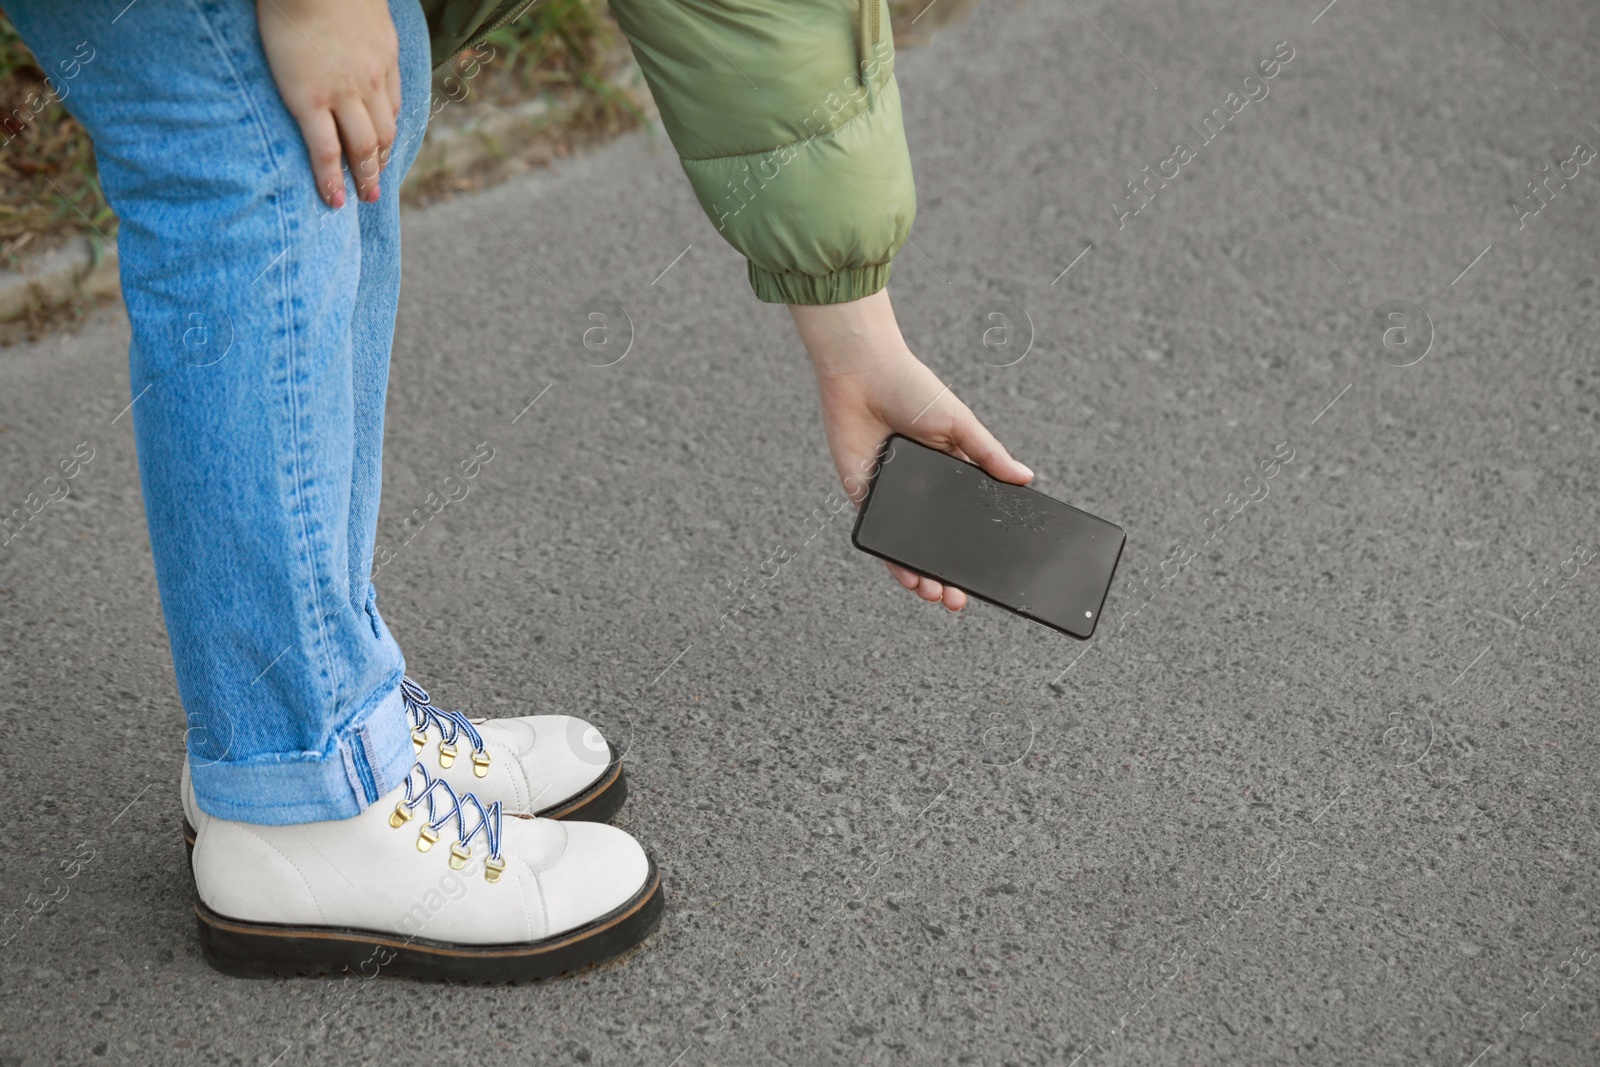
x,y
515,10
867,18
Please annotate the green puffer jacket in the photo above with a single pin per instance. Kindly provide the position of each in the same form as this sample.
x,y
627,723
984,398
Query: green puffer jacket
x,y
786,117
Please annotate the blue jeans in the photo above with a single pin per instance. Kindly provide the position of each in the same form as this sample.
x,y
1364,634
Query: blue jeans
x,y
261,325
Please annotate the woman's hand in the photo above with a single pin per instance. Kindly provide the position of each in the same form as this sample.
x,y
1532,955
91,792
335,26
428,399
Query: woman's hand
x,y
337,65
871,386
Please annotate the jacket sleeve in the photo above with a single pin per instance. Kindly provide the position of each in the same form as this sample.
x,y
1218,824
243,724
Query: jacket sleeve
x,y
786,118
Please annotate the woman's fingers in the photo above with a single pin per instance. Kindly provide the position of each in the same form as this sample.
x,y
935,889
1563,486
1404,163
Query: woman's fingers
x,y
383,118
360,131
337,68
360,145
327,158
905,577
391,84
923,586
928,589
974,439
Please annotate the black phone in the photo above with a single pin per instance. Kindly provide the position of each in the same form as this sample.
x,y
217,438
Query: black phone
x,y
1007,544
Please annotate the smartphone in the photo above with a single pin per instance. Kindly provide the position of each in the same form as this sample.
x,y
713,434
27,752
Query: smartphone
x,y
1007,544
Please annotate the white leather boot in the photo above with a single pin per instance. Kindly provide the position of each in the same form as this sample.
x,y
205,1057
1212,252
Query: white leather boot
x,y
553,766
428,883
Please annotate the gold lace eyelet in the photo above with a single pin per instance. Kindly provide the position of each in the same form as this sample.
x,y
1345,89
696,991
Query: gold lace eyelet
x,y
492,869
426,839
459,854
480,764
418,739
447,755
401,815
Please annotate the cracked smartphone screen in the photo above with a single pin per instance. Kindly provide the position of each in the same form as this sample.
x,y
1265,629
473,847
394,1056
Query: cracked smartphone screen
x,y
1007,544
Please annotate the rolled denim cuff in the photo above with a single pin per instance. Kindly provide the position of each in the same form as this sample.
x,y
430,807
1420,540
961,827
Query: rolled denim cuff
x,y
369,758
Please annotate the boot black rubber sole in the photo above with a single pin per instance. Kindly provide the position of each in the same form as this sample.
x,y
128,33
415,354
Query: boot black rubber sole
x,y
598,803
270,950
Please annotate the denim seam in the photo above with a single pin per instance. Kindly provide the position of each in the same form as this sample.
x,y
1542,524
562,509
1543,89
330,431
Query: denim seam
x,y
330,664
373,785
374,773
363,753
350,773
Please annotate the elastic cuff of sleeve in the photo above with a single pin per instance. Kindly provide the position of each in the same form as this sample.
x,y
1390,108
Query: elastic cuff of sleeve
x,y
840,287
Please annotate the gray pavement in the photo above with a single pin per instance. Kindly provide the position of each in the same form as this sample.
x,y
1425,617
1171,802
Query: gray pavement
x,y
1323,795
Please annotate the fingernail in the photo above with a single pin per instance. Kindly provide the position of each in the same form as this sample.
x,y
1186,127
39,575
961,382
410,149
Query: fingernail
x,y
1026,469
376,192
338,199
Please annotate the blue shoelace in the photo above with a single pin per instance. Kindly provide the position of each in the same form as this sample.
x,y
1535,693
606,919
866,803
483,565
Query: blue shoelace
x,y
444,804
450,724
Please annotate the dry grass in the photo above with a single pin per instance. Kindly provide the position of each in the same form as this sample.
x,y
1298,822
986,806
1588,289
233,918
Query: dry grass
x,y
49,190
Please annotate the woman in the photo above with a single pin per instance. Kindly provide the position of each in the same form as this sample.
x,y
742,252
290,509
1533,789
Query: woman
x,y
254,156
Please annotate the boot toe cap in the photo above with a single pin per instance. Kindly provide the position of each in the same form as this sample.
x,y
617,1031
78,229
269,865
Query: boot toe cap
x,y
601,869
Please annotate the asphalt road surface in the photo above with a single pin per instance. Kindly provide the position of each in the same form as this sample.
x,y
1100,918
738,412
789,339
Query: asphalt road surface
x,y
1321,790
